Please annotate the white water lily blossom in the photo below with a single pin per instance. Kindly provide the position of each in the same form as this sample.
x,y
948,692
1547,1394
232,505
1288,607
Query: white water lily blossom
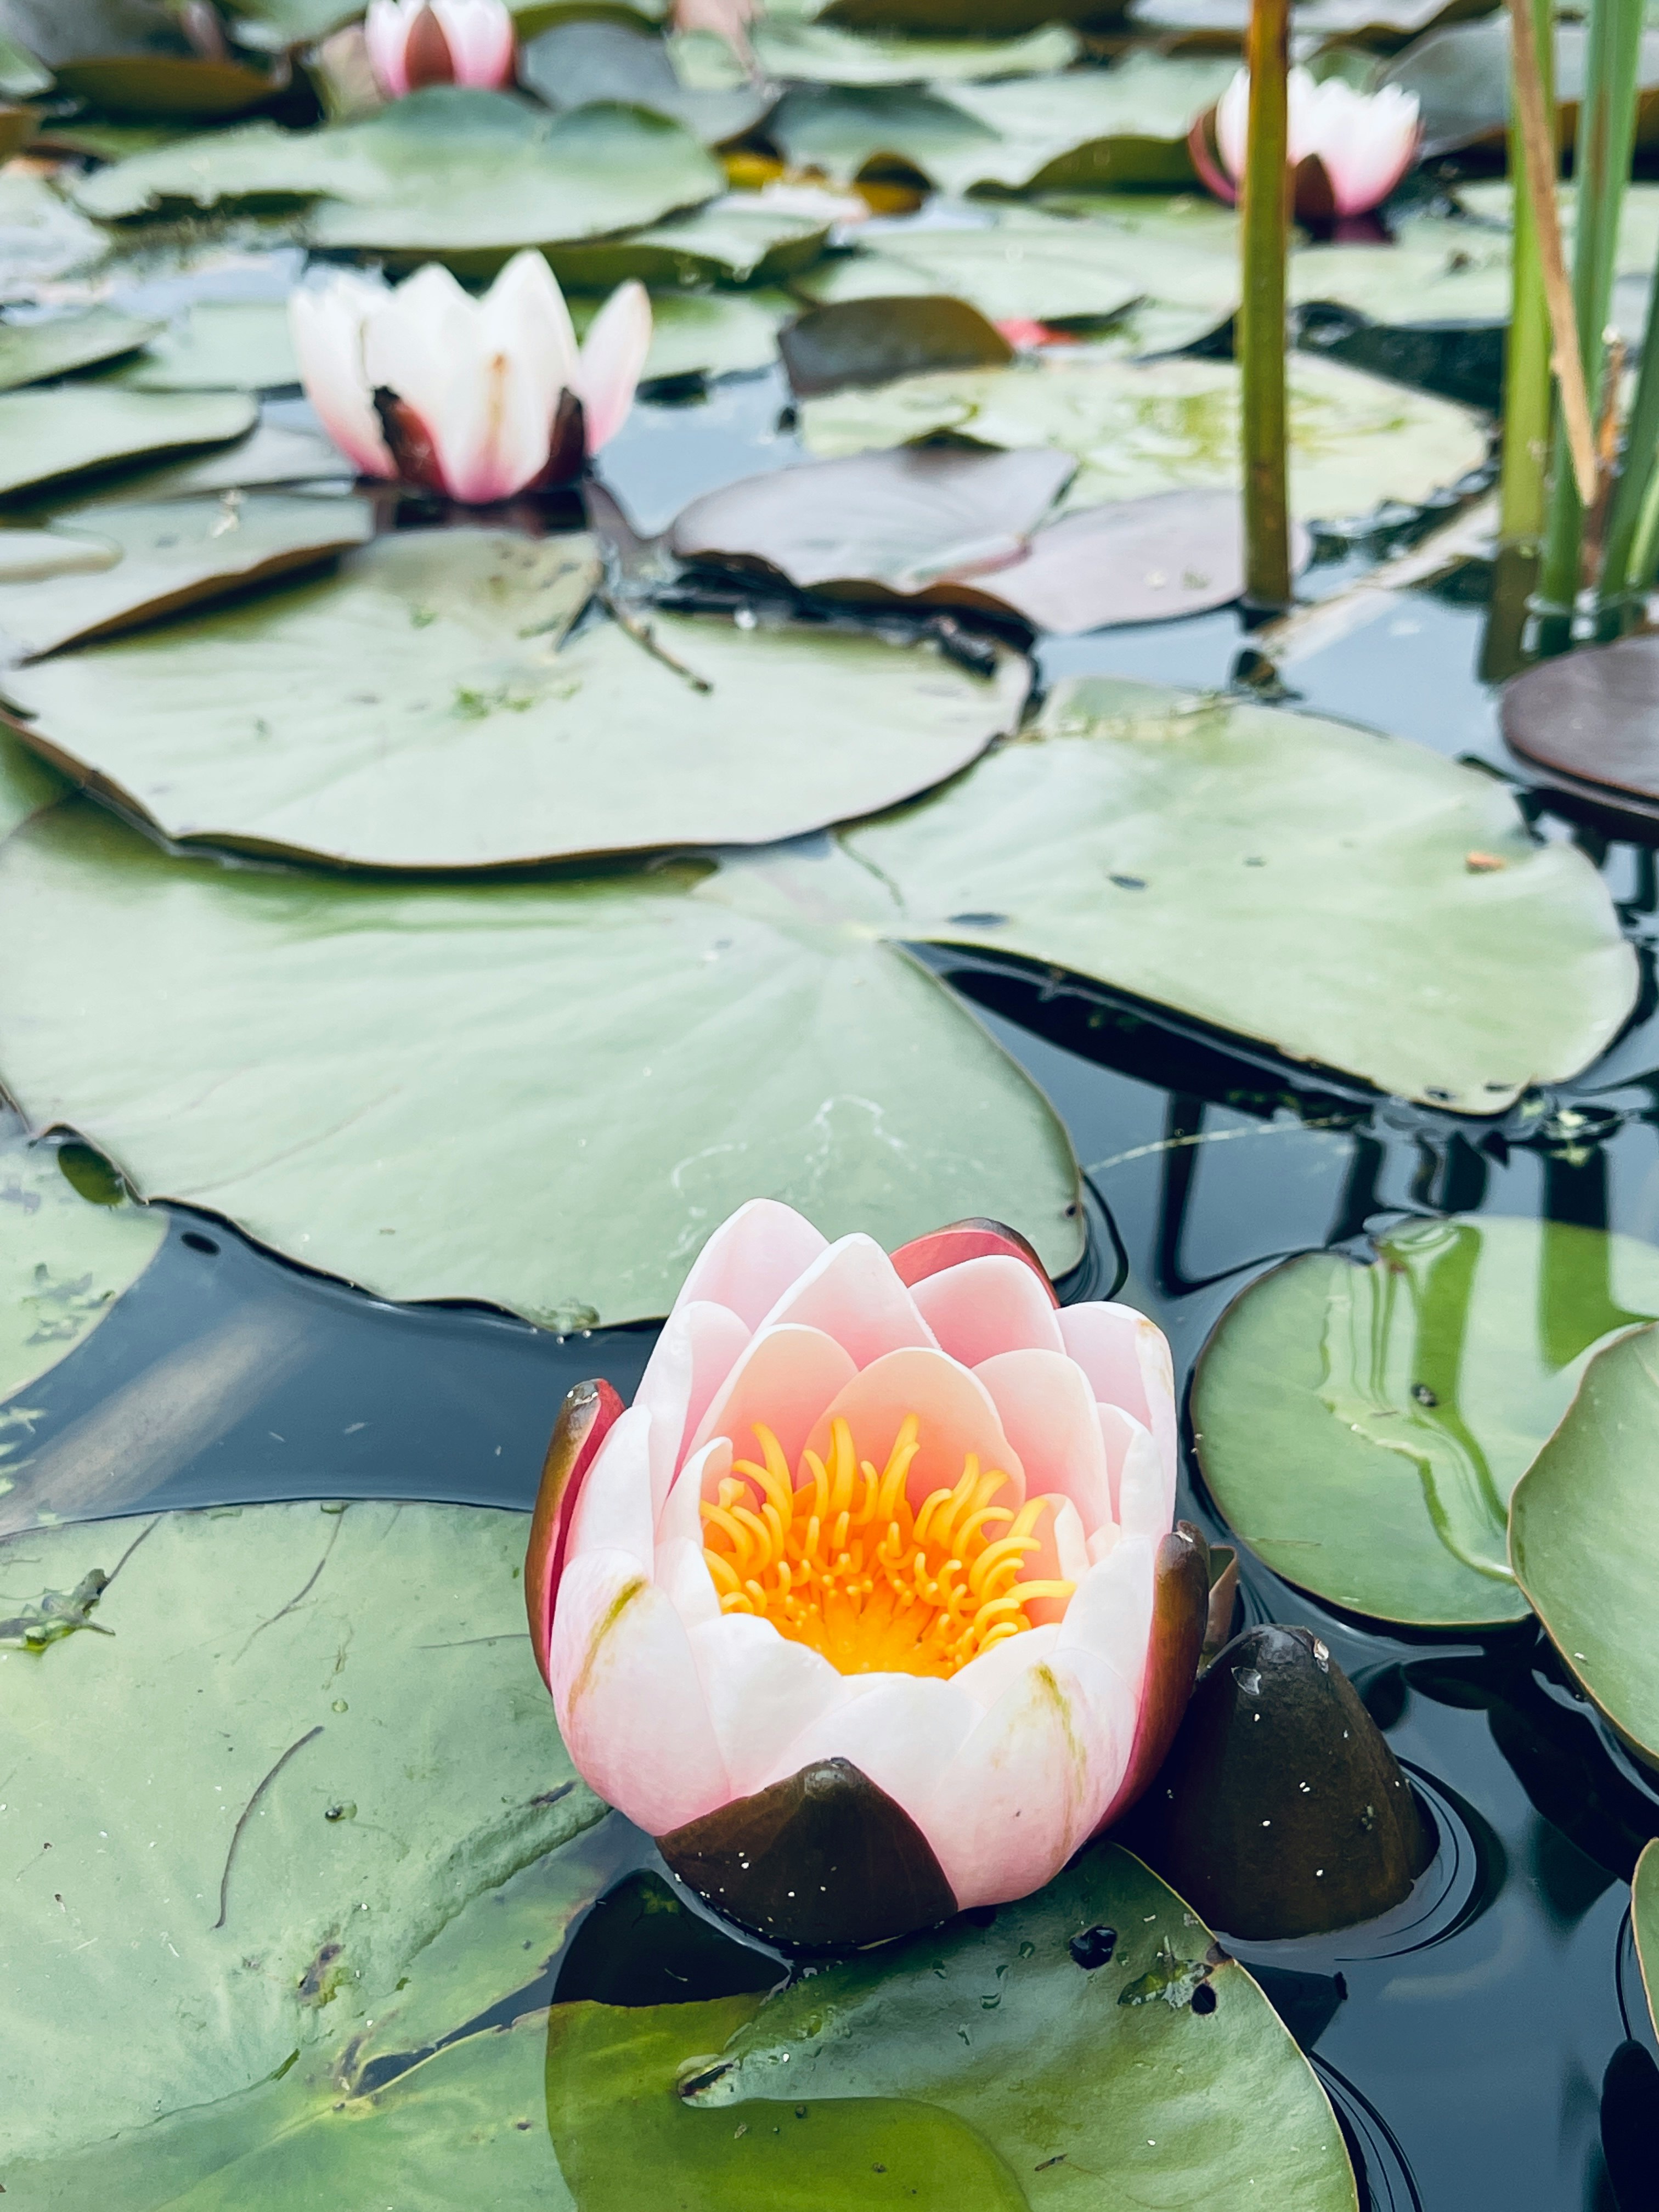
x,y
900,1522
471,389
413,42
1365,141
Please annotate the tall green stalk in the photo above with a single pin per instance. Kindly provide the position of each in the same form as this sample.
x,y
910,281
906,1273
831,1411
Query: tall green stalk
x,y
1527,387
1606,133
1628,566
1265,233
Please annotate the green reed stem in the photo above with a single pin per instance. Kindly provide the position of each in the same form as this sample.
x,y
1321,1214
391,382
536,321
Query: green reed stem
x,y
1265,232
1606,133
1527,387
1628,565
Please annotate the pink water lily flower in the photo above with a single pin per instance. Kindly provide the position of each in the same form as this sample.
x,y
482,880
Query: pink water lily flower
x,y
413,42
869,1608
471,398
1349,149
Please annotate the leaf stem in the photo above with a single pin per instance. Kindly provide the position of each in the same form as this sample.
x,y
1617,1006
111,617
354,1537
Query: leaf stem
x,y
1264,233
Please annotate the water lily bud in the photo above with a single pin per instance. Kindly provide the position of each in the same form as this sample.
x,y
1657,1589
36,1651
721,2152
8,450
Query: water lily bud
x,y
869,1607
413,42
474,398
1281,1810
1348,149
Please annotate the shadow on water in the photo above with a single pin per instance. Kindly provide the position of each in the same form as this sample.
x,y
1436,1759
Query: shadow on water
x,y
1486,2044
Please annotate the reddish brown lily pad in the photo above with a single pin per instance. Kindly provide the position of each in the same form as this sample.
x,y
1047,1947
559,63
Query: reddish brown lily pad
x,y
1589,721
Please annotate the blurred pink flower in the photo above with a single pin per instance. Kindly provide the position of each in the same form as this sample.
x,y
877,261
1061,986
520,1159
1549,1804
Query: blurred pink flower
x,y
1349,149
416,42
905,1514
471,392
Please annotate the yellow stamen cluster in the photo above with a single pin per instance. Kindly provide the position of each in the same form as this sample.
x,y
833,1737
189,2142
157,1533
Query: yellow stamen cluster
x,y
837,1559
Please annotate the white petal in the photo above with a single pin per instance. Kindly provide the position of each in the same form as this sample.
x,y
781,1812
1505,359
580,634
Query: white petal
x,y
1111,1612
1048,1410
763,1691
386,33
899,1730
326,325
981,1307
479,35
613,1512
681,1518
986,1678
699,1345
682,1573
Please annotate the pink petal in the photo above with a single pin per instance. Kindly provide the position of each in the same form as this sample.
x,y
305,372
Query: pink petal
x,y
326,325
1145,1483
965,1240
956,1413
1126,1360
700,1344
612,361
763,1691
986,1306
851,1292
1048,1414
784,1378
1232,124
1110,1613
479,34
1031,1783
1062,1557
900,1730
613,1512
629,1698
752,1258
385,32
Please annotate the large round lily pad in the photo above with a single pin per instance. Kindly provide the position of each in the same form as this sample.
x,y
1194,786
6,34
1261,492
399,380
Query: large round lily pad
x,y
419,710
1584,1541
1591,720
66,431
1024,264
1352,900
63,1262
467,176
41,236
1355,441
740,239
236,345
1066,2055
543,1095
143,562
1362,1426
1089,129
287,1748
819,52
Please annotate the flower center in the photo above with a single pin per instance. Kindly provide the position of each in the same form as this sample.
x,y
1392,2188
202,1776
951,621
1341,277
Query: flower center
x,y
837,1559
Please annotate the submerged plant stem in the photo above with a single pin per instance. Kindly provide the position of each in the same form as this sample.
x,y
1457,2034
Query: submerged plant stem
x,y
1527,391
1265,228
1606,130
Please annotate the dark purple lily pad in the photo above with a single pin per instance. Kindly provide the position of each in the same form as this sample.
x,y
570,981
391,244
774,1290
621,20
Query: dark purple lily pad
x,y
898,520
854,341
1588,722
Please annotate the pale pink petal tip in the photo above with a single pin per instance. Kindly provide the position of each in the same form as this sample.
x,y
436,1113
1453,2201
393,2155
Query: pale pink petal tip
x,y
612,361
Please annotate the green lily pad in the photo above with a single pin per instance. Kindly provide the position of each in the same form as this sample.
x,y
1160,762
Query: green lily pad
x,y
1062,2072
1644,1916
159,559
269,454
467,176
1355,441
578,63
1449,272
418,710
1244,866
282,1050
31,352
1091,129
27,784
245,1826
1362,1427
41,236
49,434
820,52
63,1262
1461,75
20,74
737,239
706,333
221,345
1583,1540
271,26
1021,266
846,130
